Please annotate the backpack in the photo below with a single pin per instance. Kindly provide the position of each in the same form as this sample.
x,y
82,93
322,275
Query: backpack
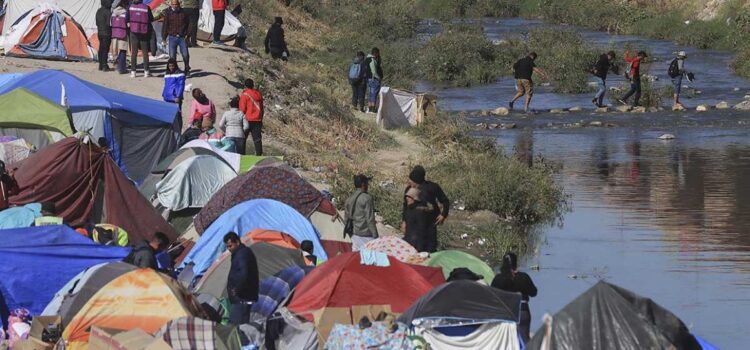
x,y
355,71
674,69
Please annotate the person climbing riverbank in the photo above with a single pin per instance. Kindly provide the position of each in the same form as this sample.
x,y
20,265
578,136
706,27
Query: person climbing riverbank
x,y
523,69
600,70
634,74
676,72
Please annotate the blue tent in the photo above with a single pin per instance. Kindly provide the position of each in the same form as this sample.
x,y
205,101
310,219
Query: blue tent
x,y
38,261
245,217
140,131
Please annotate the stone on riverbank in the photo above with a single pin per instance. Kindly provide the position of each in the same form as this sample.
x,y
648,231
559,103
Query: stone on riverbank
x,y
678,108
666,137
556,110
595,123
743,106
722,105
701,108
602,110
623,108
484,113
484,217
575,109
639,109
500,111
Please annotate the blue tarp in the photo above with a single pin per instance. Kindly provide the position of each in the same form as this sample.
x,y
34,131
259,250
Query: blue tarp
x,y
49,43
18,217
38,261
245,217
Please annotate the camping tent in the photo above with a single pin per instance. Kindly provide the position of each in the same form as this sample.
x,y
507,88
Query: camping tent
x,y
400,108
86,186
38,261
192,183
451,259
46,31
610,317
280,239
139,131
393,246
203,334
264,182
33,118
344,282
247,216
141,298
148,186
83,11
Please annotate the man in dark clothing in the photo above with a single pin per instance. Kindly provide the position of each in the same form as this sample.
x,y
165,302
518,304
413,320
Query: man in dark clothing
x,y
192,9
104,33
275,42
8,186
600,70
243,281
522,71
432,195
220,12
635,77
374,75
175,32
358,82
144,252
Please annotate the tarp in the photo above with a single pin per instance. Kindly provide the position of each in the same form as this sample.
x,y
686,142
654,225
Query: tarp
x,y
188,333
86,186
498,335
22,108
206,23
263,182
192,183
464,300
21,216
610,317
400,108
38,261
344,282
393,246
142,298
83,11
51,34
247,216
275,289
451,259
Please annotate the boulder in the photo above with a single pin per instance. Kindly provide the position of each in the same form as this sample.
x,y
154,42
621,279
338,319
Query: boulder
x,y
678,108
701,108
494,126
602,110
743,106
639,109
623,108
736,89
747,97
722,105
575,109
500,111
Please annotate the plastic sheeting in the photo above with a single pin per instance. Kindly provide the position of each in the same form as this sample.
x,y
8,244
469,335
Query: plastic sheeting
x,y
192,183
245,217
397,108
500,335
58,251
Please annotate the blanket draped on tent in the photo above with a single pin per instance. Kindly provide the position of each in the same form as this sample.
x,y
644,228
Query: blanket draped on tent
x,y
500,335
49,43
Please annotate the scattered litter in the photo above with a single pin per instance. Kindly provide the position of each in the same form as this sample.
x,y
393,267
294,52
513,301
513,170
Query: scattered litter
x,y
464,236
480,241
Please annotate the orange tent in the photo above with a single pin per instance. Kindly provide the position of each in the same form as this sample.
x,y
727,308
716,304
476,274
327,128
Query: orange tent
x,y
142,298
278,238
55,35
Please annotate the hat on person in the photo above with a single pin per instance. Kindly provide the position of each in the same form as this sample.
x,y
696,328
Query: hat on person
x,y
462,273
360,180
682,54
417,174
413,193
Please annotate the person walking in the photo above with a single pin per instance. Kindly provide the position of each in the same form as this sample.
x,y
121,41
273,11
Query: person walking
x,y
251,103
144,252
220,11
358,81
360,209
119,23
511,280
634,74
202,109
275,41
676,72
600,70
175,31
438,206
417,220
174,84
235,125
374,75
243,281
523,69
104,33
192,9
139,22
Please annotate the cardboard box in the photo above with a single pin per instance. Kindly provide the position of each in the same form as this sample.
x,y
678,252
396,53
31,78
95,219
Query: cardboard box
x,y
115,339
371,311
40,323
325,318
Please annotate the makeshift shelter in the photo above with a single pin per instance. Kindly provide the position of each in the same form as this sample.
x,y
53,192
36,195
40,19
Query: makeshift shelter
x,y
232,26
265,182
87,187
451,259
141,298
399,108
139,131
275,289
38,261
610,317
33,118
393,246
192,183
47,31
189,333
278,238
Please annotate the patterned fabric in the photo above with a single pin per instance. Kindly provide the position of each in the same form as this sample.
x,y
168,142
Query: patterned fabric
x,y
378,336
393,246
188,333
13,151
275,289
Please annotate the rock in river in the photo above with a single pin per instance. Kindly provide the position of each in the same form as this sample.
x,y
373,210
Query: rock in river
x,y
666,137
743,106
722,105
701,108
500,111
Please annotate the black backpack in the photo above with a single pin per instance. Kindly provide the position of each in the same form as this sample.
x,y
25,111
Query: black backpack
x,y
674,69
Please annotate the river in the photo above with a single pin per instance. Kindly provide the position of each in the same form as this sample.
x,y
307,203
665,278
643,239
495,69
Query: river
x,y
667,219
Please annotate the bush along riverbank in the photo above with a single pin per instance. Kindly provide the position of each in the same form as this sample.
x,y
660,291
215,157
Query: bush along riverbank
x,y
310,122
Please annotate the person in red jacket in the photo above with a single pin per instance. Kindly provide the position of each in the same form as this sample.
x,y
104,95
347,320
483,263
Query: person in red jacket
x,y
635,77
251,103
220,10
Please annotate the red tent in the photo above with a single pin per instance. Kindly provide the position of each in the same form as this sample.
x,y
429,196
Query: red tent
x,y
343,282
86,186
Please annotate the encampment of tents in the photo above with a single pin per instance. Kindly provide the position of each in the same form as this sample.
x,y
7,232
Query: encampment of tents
x,y
36,119
451,259
139,131
399,108
38,261
203,334
87,187
275,289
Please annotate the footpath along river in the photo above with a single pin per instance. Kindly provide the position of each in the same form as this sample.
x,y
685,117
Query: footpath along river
x,y
668,219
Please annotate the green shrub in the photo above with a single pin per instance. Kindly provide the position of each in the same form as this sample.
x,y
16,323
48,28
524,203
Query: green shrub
x,y
488,241
741,63
461,57
565,56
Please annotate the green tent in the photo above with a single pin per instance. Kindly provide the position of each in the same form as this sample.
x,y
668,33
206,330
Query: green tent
x,y
451,259
34,118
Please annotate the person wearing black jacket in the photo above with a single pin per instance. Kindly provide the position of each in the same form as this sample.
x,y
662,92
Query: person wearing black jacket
x,y
511,280
104,33
359,83
243,281
432,195
275,42
600,70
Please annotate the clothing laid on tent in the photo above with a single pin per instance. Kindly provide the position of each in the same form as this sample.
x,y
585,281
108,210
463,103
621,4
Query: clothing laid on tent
x,y
452,259
139,131
36,119
247,216
275,289
86,186
610,317
192,183
21,216
265,182
379,335
38,261
188,333
141,298
400,108
393,246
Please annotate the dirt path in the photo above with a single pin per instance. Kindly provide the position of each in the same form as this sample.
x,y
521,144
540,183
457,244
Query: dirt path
x,y
398,157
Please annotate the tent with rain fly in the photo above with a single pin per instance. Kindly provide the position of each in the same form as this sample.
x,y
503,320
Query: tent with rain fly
x,y
83,11
400,108
245,217
33,118
38,261
265,182
451,259
192,183
275,289
87,187
139,131
141,298
610,317
393,246
188,333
